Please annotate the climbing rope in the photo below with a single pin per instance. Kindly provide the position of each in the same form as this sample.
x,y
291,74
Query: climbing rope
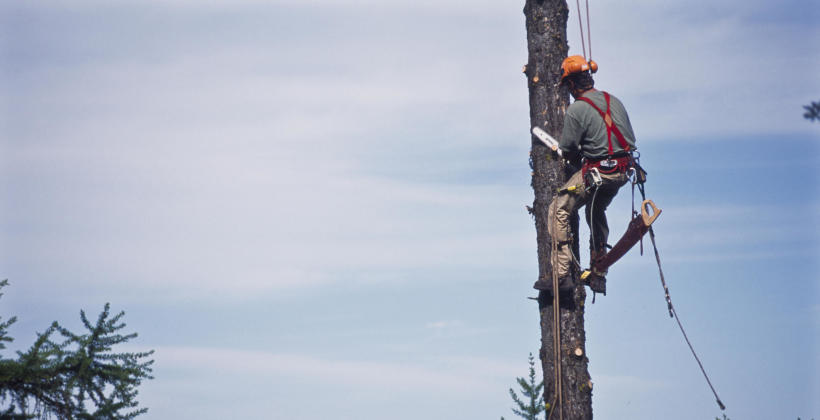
x,y
581,27
589,34
556,323
672,312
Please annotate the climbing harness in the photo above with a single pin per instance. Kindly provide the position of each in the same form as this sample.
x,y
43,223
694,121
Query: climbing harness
x,y
611,127
672,313
610,164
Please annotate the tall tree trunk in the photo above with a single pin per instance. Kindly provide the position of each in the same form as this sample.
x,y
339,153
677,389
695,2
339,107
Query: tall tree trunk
x,y
546,22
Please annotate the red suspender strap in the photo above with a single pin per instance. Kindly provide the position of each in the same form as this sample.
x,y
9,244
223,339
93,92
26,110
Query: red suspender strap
x,y
611,127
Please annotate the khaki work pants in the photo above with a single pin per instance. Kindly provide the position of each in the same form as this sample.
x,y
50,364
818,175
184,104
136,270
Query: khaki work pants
x,y
568,202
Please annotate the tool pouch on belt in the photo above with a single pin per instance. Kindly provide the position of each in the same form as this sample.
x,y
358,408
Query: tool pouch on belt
x,y
640,173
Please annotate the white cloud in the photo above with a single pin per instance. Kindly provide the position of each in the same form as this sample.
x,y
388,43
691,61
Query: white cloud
x,y
702,68
634,384
211,174
235,240
432,6
455,376
442,325
221,382
252,157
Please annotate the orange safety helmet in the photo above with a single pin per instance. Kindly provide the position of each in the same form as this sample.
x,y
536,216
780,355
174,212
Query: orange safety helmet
x,y
577,64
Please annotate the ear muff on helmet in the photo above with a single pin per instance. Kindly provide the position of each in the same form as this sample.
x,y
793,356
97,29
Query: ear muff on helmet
x,y
577,64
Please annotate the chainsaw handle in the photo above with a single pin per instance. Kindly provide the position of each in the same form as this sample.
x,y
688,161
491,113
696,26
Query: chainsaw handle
x,y
648,219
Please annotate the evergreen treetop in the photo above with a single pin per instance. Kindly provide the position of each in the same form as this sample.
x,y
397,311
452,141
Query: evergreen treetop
x,y
532,393
73,376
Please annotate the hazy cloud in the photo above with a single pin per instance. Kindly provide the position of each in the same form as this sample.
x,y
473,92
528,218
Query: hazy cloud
x,y
171,145
459,377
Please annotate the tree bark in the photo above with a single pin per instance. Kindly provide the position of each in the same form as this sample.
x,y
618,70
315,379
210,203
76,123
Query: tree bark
x,y
546,22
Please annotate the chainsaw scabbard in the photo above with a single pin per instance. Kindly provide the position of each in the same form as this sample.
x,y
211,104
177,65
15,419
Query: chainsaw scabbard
x,y
634,232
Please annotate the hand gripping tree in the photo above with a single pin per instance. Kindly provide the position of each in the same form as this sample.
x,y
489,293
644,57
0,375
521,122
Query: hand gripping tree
x,y
568,389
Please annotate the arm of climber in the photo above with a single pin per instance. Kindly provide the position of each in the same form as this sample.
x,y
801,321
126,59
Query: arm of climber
x,y
570,141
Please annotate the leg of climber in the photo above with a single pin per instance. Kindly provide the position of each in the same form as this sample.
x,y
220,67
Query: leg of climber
x,y
570,198
599,229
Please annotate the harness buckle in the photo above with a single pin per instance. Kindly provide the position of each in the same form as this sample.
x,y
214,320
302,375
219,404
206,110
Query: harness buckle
x,y
608,165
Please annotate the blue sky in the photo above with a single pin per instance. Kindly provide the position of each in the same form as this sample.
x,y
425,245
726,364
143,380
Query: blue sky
x,y
316,208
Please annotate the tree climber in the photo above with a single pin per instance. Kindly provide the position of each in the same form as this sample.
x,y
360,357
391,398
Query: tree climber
x,y
597,133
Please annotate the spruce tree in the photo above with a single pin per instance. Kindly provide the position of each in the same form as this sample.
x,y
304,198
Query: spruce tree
x,y
531,391
4,338
73,376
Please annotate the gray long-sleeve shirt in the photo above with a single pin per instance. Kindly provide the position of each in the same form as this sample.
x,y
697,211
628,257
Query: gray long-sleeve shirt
x,y
585,131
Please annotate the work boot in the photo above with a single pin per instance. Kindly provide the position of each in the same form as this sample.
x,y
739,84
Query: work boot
x,y
596,281
564,284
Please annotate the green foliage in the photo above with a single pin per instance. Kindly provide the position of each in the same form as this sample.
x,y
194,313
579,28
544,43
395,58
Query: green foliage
x,y
531,391
812,111
74,376
4,338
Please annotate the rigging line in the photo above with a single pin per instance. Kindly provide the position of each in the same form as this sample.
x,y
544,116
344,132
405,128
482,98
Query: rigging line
x,y
589,34
553,250
556,315
634,181
557,345
674,314
581,25
719,402
660,271
556,323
